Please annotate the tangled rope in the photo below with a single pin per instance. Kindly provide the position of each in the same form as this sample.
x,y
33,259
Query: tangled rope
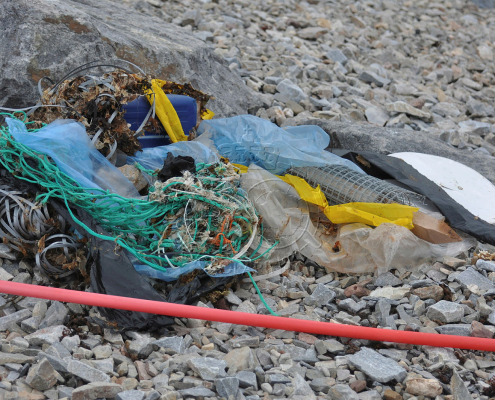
x,y
201,216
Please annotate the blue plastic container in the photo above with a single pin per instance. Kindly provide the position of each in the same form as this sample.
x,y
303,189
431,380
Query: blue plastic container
x,y
136,111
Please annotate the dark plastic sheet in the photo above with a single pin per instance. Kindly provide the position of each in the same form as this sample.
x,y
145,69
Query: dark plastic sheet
x,y
456,215
112,273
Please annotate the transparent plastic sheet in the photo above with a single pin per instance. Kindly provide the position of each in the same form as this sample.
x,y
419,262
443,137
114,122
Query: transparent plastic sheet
x,y
67,143
152,158
364,249
172,274
247,140
286,217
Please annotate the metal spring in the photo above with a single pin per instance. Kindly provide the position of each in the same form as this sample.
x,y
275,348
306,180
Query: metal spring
x,y
24,222
59,241
21,220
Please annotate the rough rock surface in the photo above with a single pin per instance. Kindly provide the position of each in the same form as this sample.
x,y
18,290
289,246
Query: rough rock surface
x,y
57,36
344,135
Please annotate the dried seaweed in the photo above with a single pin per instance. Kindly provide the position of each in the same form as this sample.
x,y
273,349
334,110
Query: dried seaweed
x,y
187,90
92,101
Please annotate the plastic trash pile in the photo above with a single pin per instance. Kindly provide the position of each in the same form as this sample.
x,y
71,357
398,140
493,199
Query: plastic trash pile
x,y
87,195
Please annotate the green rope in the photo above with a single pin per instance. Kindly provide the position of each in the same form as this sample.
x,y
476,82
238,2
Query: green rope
x,y
163,223
261,297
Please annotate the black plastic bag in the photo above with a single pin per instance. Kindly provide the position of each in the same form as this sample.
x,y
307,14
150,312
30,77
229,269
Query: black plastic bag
x,y
112,273
382,166
174,166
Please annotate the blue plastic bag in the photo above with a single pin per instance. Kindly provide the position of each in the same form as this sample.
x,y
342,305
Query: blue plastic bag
x,y
247,140
152,158
67,143
172,274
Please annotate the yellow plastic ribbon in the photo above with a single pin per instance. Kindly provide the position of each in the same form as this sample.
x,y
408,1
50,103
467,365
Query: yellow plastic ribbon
x,y
372,214
165,111
304,189
207,114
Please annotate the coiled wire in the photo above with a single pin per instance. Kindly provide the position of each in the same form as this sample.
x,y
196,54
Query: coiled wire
x,y
69,246
26,226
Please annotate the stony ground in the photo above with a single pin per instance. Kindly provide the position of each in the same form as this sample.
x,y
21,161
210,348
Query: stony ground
x,y
412,64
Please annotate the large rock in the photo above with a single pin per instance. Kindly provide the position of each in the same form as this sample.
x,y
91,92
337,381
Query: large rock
x,y
358,137
377,367
445,311
42,376
52,37
96,390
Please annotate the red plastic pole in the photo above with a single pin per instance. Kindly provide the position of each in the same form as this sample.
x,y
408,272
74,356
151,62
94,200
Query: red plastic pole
x,y
240,318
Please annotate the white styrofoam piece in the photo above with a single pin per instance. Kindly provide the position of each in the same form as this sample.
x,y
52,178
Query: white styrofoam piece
x,y
466,186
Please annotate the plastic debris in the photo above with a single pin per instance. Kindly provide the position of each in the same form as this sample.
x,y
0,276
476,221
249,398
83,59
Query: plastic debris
x,y
66,143
433,230
95,101
37,231
152,158
354,248
250,140
165,111
174,166
463,184
372,214
455,214
201,216
286,219
364,249
137,111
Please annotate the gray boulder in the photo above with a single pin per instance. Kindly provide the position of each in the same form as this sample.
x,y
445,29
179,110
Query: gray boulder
x,y
357,137
52,37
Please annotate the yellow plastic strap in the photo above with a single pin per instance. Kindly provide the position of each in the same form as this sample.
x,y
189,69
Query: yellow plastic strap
x,y
242,168
372,214
166,112
207,114
305,190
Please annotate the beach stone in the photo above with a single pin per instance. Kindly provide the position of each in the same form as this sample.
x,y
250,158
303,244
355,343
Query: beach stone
x,y
208,368
471,277
227,387
42,376
445,311
96,390
424,387
377,367
86,373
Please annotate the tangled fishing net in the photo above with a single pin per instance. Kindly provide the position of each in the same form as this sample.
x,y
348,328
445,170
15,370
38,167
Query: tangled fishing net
x,y
199,216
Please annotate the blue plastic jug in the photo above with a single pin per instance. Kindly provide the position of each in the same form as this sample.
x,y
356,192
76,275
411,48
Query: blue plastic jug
x,y
136,111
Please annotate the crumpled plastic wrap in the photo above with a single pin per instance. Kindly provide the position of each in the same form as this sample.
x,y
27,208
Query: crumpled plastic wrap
x,y
389,246
358,247
246,140
67,143
286,217
152,158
